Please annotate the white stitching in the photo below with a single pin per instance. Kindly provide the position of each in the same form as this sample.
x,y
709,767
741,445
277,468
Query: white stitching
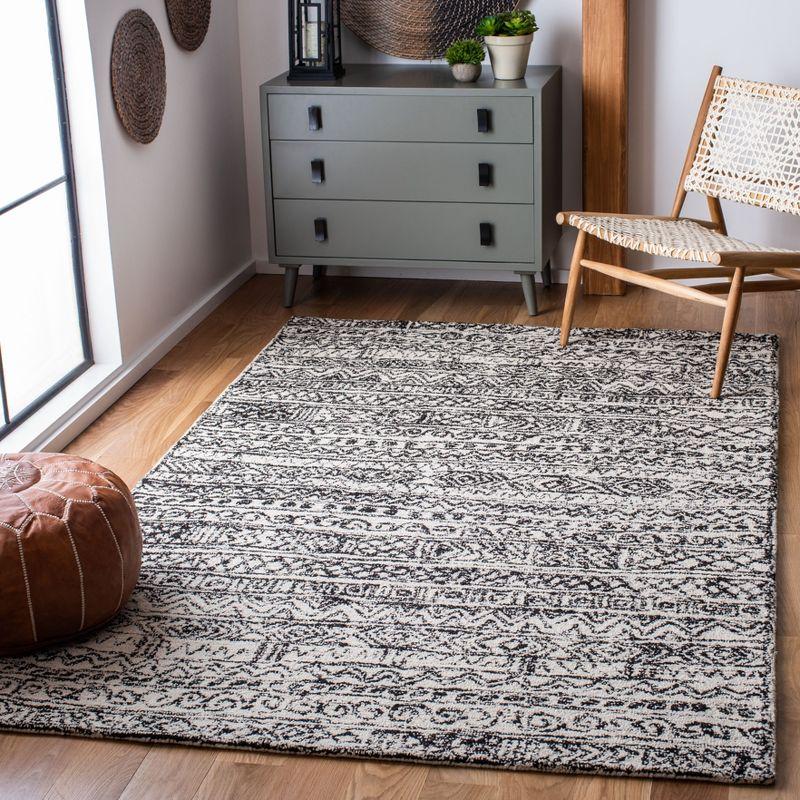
x,y
119,552
78,564
27,584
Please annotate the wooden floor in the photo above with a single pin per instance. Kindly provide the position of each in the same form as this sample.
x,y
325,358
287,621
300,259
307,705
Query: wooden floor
x,y
138,429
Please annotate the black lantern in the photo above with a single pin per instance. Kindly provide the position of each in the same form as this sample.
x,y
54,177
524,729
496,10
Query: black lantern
x,y
315,40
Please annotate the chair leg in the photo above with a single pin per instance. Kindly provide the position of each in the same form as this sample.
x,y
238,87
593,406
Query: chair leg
x,y
575,270
728,329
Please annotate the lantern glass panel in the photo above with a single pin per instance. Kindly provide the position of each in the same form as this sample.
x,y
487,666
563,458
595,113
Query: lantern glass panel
x,y
311,29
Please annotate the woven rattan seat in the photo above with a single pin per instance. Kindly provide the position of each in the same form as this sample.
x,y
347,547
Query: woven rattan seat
x,y
684,239
745,148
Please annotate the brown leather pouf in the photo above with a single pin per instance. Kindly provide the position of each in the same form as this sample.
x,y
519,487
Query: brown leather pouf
x,y
70,548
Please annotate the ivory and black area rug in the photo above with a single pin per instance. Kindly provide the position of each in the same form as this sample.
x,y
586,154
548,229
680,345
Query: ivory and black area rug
x,y
453,543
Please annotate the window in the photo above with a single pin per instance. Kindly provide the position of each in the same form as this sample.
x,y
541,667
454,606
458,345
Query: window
x,y
44,341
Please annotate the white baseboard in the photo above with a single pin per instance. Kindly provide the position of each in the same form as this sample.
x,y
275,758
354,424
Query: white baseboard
x,y
64,424
265,268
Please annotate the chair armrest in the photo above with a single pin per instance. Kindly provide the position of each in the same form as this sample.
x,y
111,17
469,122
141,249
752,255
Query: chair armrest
x,y
759,258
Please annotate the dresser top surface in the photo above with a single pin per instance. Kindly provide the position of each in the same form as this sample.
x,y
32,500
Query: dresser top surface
x,y
413,79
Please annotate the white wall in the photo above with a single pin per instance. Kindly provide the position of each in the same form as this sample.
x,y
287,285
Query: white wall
x,y
263,40
177,208
674,43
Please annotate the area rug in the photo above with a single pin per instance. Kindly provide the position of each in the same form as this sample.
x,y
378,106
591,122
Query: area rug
x,y
457,544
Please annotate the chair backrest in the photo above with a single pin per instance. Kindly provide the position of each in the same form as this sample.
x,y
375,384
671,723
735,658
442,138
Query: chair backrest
x,y
749,149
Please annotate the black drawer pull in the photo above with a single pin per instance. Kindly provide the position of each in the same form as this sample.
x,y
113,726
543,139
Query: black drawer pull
x,y
314,118
487,234
321,229
485,177
484,120
317,171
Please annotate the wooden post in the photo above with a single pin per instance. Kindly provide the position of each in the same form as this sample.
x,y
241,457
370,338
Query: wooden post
x,y
605,127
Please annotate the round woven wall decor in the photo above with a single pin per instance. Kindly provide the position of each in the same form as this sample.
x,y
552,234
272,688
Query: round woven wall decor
x,y
189,20
138,75
416,28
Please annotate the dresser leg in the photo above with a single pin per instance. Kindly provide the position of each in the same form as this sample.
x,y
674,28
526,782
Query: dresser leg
x,y
320,270
547,276
289,284
529,290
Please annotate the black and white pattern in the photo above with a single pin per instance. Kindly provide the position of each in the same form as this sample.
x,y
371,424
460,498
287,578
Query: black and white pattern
x,y
455,543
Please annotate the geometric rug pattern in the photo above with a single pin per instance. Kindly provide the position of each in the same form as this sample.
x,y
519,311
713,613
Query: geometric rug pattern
x,y
458,544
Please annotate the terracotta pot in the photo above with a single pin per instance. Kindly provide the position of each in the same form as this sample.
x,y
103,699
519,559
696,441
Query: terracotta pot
x,y
509,56
466,73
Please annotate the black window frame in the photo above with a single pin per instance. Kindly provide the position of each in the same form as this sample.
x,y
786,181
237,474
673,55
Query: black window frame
x,y
8,422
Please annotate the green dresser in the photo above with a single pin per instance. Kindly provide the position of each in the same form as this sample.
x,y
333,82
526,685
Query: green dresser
x,y
397,165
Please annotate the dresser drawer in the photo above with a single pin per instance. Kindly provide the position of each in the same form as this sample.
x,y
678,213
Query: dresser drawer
x,y
403,171
401,118
308,231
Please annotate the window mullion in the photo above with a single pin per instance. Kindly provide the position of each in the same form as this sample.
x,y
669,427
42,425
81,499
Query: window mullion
x,y
35,193
3,400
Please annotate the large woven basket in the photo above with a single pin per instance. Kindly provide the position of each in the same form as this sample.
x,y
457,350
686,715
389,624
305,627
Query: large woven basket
x,y
416,28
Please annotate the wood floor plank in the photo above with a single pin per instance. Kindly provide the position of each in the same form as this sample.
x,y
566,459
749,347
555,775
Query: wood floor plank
x,y
30,765
462,783
688,790
381,780
98,770
788,694
448,790
238,776
788,585
295,778
169,773
134,433
543,786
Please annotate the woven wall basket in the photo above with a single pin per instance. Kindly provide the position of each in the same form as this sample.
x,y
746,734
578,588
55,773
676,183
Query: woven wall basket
x,y
138,75
416,28
189,20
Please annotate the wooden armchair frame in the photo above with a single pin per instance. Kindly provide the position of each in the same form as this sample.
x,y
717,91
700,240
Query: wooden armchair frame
x,y
733,265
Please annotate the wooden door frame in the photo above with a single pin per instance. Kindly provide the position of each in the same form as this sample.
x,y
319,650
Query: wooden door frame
x,y
605,127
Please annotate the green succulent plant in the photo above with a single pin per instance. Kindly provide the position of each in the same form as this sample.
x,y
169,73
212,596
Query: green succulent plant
x,y
520,23
465,51
490,26
507,23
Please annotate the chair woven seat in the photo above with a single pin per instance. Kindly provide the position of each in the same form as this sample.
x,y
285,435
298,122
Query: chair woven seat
x,y
678,238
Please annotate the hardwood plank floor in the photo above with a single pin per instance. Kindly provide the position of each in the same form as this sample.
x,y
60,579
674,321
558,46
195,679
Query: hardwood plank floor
x,y
137,430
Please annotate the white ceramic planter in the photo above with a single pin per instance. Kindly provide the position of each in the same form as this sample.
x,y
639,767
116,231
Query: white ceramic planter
x,y
509,55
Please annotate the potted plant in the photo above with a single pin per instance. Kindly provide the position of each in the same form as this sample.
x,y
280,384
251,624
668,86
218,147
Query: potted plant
x,y
509,37
465,57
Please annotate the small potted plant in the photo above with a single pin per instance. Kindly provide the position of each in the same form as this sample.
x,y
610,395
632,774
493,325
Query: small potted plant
x,y
465,57
509,37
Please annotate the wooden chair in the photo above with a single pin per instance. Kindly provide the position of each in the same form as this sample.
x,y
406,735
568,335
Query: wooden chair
x,y
746,148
